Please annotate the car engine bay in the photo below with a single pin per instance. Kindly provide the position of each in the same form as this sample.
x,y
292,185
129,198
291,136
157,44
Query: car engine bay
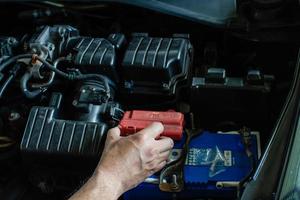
x,y
69,75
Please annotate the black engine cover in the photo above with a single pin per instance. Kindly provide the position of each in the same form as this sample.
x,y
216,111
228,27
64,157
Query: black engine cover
x,y
64,142
153,65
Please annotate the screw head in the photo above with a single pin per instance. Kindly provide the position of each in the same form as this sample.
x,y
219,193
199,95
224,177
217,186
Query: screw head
x,y
75,102
14,116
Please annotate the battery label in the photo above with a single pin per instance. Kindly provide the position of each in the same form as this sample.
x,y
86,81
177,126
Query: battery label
x,y
208,156
216,159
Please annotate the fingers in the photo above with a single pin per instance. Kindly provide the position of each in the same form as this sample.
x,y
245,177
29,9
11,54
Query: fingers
x,y
156,168
160,166
155,152
153,131
165,155
164,144
156,163
113,134
159,157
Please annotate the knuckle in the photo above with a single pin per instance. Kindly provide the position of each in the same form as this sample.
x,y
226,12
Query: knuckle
x,y
110,136
160,166
111,131
155,152
166,155
150,166
148,156
151,153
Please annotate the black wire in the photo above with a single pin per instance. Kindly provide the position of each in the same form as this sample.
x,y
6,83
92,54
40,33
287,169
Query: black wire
x,y
5,84
12,60
247,176
252,163
12,74
26,77
71,76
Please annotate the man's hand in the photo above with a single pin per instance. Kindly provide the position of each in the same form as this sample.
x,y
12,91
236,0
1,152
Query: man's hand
x,y
127,161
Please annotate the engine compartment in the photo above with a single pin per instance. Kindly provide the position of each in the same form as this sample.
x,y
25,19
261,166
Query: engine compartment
x,y
68,77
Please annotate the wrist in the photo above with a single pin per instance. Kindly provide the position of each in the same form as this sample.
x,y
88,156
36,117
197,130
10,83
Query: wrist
x,y
108,181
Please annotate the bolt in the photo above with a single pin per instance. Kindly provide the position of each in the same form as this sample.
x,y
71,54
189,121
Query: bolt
x,y
11,41
174,153
48,12
50,47
165,85
14,116
128,84
219,185
75,102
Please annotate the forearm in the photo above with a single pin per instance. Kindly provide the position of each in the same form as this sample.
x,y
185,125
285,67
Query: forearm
x,y
100,186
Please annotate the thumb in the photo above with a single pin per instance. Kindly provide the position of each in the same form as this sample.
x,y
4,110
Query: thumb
x,y
153,130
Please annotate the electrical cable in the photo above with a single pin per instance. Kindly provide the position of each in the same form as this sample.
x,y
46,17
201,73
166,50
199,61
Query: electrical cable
x,y
13,59
27,76
38,88
251,159
12,74
74,76
52,75
5,85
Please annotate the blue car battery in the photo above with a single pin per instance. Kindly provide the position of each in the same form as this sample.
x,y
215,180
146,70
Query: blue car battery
x,y
214,167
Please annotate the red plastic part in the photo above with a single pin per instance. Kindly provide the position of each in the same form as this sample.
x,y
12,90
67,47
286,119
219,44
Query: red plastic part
x,y
136,120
